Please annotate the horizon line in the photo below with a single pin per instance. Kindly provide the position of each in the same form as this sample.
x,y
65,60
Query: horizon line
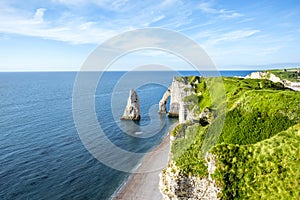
x,y
133,70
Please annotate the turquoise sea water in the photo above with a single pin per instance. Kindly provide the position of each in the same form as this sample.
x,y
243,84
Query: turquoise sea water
x,y
41,154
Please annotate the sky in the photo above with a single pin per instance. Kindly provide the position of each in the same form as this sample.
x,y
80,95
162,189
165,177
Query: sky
x,y
59,35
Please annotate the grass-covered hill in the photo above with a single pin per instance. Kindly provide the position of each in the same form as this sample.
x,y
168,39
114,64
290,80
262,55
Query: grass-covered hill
x,y
268,169
290,74
258,148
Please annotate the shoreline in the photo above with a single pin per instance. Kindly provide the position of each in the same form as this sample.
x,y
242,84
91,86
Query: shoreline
x,y
143,185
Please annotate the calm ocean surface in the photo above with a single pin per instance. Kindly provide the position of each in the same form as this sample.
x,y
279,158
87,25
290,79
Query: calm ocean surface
x,y
41,154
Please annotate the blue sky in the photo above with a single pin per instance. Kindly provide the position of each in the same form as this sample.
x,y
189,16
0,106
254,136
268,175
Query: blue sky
x,y
58,35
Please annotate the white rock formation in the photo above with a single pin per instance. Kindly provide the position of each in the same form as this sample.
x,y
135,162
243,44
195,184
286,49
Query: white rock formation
x,y
211,164
175,186
275,79
257,75
294,86
267,75
179,89
132,110
163,101
177,95
264,75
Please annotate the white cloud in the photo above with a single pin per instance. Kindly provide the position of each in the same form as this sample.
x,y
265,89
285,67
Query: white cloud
x,y
94,21
207,7
72,23
34,25
79,2
167,3
230,15
195,26
246,20
115,5
119,4
39,14
233,35
140,39
158,18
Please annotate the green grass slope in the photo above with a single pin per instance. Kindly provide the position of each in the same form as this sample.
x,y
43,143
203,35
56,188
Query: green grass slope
x,y
258,149
266,170
257,110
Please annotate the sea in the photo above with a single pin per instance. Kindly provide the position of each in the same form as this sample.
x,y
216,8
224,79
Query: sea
x,y
42,152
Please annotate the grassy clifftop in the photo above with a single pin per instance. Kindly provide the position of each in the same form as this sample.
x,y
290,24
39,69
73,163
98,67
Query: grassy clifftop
x,y
257,110
266,170
258,154
290,75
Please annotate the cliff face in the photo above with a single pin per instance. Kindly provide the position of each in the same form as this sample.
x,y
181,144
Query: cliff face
x,y
132,110
264,75
176,186
179,89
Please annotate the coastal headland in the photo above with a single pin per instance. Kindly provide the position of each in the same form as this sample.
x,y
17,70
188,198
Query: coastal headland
x,y
256,149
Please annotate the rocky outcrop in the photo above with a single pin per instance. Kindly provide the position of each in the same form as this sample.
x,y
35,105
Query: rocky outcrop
x,y
210,160
179,89
206,116
176,186
294,86
163,101
265,75
132,110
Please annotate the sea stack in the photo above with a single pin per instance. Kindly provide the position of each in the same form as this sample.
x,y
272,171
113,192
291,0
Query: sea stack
x,y
132,110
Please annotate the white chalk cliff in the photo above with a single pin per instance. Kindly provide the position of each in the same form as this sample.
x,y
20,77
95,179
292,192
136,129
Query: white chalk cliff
x,y
174,185
132,110
265,75
179,89
163,101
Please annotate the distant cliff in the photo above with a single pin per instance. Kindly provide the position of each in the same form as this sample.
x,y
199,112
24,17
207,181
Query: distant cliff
x,y
289,78
265,75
